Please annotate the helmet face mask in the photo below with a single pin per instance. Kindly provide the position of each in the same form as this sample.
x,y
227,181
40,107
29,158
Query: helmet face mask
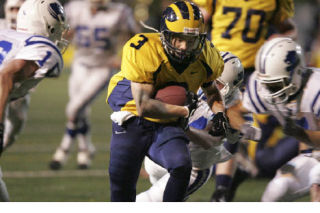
x,y
194,45
279,64
276,91
182,20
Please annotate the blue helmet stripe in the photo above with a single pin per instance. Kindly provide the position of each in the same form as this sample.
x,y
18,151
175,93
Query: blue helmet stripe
x,y
183,9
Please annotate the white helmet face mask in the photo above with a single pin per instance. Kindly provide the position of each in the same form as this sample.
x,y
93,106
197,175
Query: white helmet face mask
x,y
44,18
231,77
279,64
11,8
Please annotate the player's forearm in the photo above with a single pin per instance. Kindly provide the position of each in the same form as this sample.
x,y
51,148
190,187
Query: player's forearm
x,y
203,138
5,87
312,138
156,109
235,117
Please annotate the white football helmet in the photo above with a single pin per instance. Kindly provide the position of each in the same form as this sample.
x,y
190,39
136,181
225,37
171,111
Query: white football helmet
x,y
231,77
279,64
44,18
11,8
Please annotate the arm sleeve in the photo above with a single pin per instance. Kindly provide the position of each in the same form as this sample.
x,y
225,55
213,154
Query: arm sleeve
x,y
45,54
137,61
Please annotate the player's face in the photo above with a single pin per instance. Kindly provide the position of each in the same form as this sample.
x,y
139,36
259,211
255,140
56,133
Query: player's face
x,y
219,84
185,43
277,90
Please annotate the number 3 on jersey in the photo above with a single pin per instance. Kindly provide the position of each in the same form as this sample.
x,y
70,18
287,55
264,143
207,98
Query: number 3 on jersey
x,y
246,30
140,42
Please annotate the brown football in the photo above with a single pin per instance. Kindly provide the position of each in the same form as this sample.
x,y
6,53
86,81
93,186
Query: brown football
x,y
174,94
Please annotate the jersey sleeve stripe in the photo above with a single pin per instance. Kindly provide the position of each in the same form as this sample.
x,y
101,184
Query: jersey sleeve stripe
x,y
313,105
28,43
258,98
228,59
250,97
120,95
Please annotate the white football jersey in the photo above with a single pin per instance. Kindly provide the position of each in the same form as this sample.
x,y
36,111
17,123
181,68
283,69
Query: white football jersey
x,y
16,45
306,107
96,35
4,24
204,158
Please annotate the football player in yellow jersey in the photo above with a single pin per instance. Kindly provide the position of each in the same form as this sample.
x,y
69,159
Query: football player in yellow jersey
x,y
179,54
241,27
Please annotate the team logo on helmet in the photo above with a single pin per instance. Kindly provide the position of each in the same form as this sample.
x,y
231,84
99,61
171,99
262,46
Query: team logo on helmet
x,y
55,11
292,59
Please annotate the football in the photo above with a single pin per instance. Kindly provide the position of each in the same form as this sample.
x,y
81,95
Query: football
x,y
175,95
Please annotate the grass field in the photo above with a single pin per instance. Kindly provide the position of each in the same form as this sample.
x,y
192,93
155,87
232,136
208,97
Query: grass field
x,y
25,164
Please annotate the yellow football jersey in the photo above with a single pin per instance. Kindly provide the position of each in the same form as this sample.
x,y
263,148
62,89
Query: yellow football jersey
x,y
241,26
144,60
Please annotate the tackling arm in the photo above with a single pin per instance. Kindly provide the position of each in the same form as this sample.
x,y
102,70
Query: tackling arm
x,y
213,95
203,138
149,107
15,71
309,137
235,115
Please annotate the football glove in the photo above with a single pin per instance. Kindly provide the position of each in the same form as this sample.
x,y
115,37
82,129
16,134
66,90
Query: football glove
x,y
192,103
219,124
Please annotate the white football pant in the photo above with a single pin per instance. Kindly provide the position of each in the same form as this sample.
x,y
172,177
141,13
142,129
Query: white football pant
x,y
159,177
85,84
293,180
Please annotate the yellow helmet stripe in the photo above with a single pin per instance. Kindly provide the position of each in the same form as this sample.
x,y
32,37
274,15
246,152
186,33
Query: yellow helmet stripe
x,y
177,11
190,10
